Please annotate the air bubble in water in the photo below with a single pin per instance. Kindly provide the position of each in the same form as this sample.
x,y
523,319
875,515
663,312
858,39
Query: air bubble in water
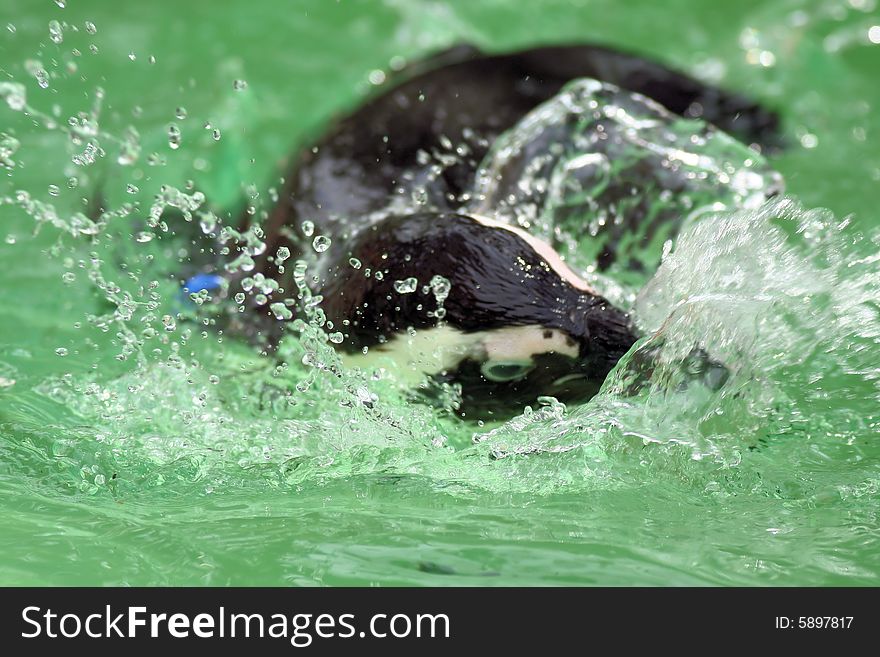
x,y
308,228
132,189
216,134
144,237
240,85
354,262
180,113
61,351
406,286
282,255
321,243
336,338
239,297
61,3
68,277
90,27
54,190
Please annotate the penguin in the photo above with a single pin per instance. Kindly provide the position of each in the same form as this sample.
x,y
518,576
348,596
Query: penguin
x,y
413,270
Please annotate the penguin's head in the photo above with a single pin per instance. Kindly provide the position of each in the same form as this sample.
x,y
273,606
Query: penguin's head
x,y
463,299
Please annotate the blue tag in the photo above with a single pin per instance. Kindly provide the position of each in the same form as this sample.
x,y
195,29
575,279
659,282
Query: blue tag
x,y
201,282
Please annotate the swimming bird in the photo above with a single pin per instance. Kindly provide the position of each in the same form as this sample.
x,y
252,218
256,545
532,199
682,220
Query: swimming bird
x,y
411,271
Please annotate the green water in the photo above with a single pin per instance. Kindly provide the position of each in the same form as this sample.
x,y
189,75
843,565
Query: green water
x,y
184,458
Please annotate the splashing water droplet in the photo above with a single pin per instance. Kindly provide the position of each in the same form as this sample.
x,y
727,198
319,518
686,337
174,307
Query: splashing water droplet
x,y
406,286
14,94
321,243
55,33
281,311
42,77
173,137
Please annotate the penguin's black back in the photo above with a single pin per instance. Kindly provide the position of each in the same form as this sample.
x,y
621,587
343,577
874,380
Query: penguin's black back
x,y
370,155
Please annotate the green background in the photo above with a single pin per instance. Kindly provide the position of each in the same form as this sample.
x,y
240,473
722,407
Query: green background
x,y
253,490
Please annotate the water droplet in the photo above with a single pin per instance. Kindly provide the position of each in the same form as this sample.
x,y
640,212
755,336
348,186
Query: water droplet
x,y
90,27
809,140
132,189
214,379
406,286
216,134
280,311
55,32
14,94
321,243
132,56
180,113
173,137
169,323
10,239
143,237
308,228
54,190
239,85
377,76
11,28
68,277
61,351
61,3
